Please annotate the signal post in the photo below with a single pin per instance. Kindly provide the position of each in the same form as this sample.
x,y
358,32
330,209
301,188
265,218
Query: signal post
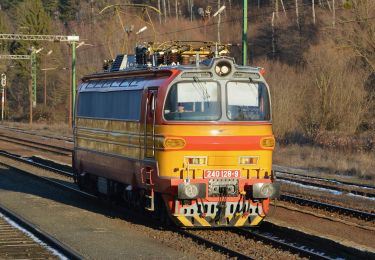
x,y
3,85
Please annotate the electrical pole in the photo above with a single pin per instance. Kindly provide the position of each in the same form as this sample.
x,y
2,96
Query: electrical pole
x,y
23,57
45,88
33,76
74,87
30,102
51,38
244,33
3,85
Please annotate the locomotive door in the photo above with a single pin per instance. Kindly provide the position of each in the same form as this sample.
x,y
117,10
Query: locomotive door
x,y
149,123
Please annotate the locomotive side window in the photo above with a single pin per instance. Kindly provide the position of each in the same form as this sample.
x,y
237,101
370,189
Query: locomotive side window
x,y
91,84
126,83
247,101
83,86
107,84
193,101
124,105
116,83
99,84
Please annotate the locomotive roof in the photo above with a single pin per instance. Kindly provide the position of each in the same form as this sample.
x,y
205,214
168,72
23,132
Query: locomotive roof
x,y
166,71
138,78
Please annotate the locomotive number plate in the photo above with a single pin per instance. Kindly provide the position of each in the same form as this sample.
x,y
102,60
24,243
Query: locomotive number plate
x,y
222,174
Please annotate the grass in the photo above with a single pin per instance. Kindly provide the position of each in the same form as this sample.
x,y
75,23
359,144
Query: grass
x,y
55,128
358,167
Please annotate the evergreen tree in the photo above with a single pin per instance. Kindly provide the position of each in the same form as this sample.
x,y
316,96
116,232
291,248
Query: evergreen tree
x,y
8,4
4,45
68,9
51,7
30,18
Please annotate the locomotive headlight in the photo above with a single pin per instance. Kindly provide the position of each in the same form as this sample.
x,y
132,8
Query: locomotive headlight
x,y
248,160
223,68
265,190
191,190
198,160
217,70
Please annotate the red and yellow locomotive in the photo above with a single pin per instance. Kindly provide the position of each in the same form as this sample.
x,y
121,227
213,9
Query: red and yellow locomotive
x,y
181,132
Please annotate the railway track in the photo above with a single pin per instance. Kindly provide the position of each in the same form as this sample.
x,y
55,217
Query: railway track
x,y
326,180
368,216
33,132
22,240
303,244
344,187
214,245
37,145
263,234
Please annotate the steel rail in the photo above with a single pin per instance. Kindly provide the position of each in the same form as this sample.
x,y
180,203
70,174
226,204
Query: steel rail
x,y
268,238
317,204
36,145
213,245
30,132
327,180
37,164
325,186
306,245
41,235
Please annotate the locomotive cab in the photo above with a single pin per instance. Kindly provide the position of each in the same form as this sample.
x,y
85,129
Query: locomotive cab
x,y
218,145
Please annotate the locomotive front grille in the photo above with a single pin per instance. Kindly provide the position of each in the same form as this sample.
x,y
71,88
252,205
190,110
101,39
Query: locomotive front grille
x,y
223,188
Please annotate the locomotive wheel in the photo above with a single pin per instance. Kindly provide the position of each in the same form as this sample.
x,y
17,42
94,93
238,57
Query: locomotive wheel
x,y
161,210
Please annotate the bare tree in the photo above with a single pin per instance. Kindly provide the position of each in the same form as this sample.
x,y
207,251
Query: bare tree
x,y
297,13
159,7
283,6
277,8
313,10
359,33
169,7
333,13
165,11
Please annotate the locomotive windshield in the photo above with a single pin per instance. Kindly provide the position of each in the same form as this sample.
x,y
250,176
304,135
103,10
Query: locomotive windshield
x,y
201,101
193,101
247,101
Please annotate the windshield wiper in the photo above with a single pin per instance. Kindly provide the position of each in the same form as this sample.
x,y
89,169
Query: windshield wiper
x,y
203,88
